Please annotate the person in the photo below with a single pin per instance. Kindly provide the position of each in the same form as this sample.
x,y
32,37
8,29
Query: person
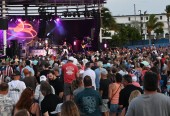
x,y
89,72
80,88
69,108
22,112
104,87
16,87
38,95
114,91
83,46
50,101
29,80
28,63
126,91
26,101
151,103
46,70
89,100
133,95
98,74
56,82
65,48
70,73
6,103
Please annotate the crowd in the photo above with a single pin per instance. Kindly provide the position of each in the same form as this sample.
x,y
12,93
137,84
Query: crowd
x,y
114,82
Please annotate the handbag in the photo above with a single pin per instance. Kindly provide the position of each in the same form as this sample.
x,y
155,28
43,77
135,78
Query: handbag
x,y
113,96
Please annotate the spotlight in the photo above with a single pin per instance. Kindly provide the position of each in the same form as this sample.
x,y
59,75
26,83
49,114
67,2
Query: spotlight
x,y
19,20
57,19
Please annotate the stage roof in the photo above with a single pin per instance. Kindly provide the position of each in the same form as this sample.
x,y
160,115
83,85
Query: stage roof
x,y
57,2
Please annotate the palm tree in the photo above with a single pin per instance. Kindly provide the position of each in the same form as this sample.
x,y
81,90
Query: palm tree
x,y
153,24
108,22
168,17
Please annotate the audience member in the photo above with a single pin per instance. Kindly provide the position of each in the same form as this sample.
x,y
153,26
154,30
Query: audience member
x,y
6,103
150,103
26,101
89,100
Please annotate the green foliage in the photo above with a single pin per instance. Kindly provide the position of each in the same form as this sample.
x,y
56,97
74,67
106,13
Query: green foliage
x,y
153,24
108,22
125,35
168,11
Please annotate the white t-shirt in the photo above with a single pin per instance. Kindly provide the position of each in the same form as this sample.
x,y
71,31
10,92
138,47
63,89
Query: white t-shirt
x,y
16,87
91,73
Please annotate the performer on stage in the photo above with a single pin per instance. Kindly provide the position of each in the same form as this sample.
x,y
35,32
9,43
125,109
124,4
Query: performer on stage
x,y
83,46
65,48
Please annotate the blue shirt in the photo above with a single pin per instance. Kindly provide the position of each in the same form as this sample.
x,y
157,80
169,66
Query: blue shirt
x,y
88,102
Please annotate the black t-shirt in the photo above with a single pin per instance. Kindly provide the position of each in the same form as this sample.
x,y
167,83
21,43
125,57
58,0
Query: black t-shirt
x,y
125,94
49,103
104,86
58,85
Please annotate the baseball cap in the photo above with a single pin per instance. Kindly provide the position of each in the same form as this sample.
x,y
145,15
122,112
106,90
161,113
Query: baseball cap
x,y
43,78
71,58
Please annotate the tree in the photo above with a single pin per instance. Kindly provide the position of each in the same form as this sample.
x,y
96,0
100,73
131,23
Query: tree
x,y
108,22
125,35
153,24
168,18
158,31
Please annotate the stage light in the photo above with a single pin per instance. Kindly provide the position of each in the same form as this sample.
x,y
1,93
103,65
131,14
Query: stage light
x,y
57,19
105,45
11,20
19,20
46,41
75,43
48,34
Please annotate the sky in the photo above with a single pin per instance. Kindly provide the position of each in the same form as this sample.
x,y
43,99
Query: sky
x,y
126,7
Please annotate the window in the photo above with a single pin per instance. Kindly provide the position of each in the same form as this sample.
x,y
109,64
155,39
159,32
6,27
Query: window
x,y
141,25
160,17
146,18
129,18
141,18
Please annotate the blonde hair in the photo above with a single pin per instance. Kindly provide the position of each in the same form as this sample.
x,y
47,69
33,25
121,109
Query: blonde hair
x,y
134,94
69,108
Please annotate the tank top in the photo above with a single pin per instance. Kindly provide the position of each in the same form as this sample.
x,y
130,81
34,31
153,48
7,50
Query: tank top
x,y
115,92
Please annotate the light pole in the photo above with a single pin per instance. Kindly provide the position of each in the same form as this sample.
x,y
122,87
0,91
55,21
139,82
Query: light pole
x,y
140,21
145,25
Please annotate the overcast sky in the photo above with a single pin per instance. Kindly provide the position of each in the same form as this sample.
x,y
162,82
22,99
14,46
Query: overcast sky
x,y
126,7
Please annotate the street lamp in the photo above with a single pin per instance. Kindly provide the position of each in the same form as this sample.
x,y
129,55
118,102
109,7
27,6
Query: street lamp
x,y
145,24
140,20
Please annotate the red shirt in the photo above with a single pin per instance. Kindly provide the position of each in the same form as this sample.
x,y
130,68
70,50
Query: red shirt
x,y
69,70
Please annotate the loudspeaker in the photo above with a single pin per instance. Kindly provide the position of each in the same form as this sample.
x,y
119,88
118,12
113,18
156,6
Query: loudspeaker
x,y
3,24
42,29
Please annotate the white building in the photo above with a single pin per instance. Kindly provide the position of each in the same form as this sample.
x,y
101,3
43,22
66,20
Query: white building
x,y
140,22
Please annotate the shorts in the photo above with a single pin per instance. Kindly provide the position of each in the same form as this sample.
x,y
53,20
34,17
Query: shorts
x,y
67,89
104,107
114,108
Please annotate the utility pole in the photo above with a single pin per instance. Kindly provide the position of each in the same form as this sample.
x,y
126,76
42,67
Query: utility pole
x,y
140,21
145,24
135,15
4,31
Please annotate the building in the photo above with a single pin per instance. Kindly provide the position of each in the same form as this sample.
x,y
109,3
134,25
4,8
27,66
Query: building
x,y
140,22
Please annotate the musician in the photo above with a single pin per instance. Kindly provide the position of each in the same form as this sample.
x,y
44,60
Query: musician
x,y
65,48
83,45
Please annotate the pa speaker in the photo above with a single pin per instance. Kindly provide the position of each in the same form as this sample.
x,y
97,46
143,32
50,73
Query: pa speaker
x,y
3,24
